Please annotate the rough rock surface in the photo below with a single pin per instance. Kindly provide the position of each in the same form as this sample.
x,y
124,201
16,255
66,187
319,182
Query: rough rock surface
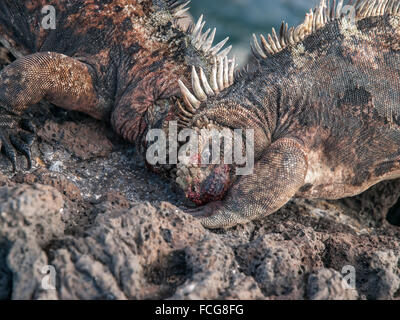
x,y
112,230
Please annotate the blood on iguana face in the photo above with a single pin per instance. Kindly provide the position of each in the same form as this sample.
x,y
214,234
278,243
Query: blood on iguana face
x,y
203,179
204,184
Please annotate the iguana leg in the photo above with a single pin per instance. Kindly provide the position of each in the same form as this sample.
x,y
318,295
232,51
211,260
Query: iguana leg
x,y
64,81
276,178
128,117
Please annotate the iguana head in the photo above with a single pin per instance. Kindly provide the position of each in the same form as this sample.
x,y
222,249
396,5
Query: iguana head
x,y
205,170
206,167
186,46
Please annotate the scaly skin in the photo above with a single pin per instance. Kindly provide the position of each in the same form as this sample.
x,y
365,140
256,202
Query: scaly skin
x,y
117,61
4,58
325,110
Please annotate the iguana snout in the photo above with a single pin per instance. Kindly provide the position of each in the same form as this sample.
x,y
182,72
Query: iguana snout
x,y
206,175
205,183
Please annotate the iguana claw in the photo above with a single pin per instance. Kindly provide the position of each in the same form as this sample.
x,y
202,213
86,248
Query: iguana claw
x,y
16,136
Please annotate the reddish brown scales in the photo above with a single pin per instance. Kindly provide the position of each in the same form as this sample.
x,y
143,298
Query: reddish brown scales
x,y
123,57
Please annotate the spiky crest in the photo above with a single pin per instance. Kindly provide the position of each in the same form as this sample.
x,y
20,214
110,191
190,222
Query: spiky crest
x,y
204,40
201,41
317,19
222,73
222,77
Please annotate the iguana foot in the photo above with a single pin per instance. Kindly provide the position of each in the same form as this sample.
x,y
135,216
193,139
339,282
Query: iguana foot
x,y
276,178
16,135
205,211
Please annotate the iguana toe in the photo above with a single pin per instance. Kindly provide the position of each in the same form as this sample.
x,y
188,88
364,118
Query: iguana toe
x,y
23,147
205,211
16,136
214,216
28,138
27,125
8,149
222,217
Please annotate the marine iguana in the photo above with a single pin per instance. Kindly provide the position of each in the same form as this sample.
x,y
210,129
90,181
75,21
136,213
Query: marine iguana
x,y
115,60
324,104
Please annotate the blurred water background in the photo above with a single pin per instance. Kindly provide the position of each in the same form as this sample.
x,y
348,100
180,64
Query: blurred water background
x,y
239,19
